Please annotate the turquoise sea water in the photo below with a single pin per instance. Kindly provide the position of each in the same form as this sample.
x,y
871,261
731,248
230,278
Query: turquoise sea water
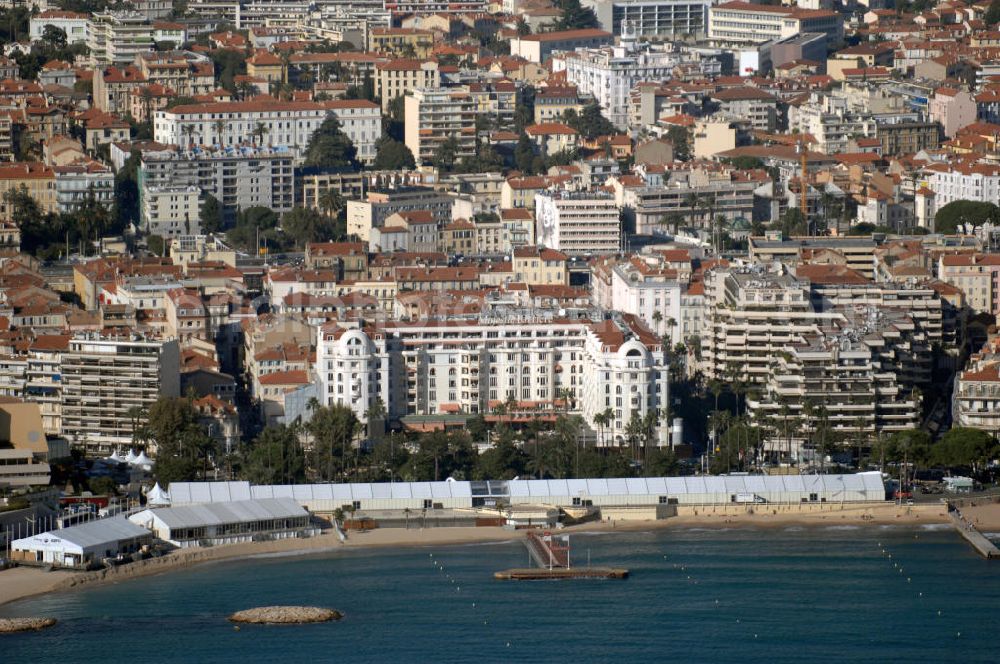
x,y
793,595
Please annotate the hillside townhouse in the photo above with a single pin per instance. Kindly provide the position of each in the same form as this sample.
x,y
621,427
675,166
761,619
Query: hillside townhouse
x,y
74,24
37,180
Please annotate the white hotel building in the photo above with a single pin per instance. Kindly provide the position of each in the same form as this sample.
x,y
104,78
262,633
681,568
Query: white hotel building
x,y
286,124
470,366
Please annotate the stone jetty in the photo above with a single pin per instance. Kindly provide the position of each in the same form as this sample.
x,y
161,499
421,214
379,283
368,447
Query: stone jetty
x,y
285,615
12,625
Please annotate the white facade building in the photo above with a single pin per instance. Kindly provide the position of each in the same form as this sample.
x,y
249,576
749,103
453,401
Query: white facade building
x,y
961,182
472,365
281,125
610,74
171,211
74,24
652,18
578,224
76,182
746,23
115,38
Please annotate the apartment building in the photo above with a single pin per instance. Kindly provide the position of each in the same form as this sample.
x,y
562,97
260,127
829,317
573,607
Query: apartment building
x,y
471,365
116,38
280,125
436,115
578,223
745,23
646,286
551,103
83,180
540,47
832,122
397,77
697,195
238,177
171,211
106,380
977,276
747,104
401,42
858,252
976,402
844,387
380,204
187,74
610,74
652,18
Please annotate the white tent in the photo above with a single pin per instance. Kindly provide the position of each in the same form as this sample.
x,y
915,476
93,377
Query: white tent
x,y
130,457
143,460
114,457
157,497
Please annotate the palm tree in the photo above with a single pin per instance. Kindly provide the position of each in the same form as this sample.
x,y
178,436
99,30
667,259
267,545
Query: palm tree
x,y
189,130
657,317
600,421
331,202
375,413
259,132
671,324
219,126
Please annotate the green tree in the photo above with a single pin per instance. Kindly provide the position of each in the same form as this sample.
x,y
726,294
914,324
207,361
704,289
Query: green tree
x,y
446,155
575,16
524,154
330,148
252,223
391,155
949,217
54,36
992,16
156,245
792,223
963,446
503,461
332,429
212,219
275,458
303,225
590,122
679,137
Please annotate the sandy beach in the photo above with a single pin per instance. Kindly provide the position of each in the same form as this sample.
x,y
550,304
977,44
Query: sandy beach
x,y
21,582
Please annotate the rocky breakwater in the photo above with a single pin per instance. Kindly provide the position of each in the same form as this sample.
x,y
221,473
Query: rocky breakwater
x,y
285,615
13,625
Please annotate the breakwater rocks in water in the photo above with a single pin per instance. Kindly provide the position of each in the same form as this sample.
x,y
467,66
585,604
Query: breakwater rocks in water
x,y
285,615
13,625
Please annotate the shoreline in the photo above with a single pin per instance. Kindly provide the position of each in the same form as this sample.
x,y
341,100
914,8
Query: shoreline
x,y
24,582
